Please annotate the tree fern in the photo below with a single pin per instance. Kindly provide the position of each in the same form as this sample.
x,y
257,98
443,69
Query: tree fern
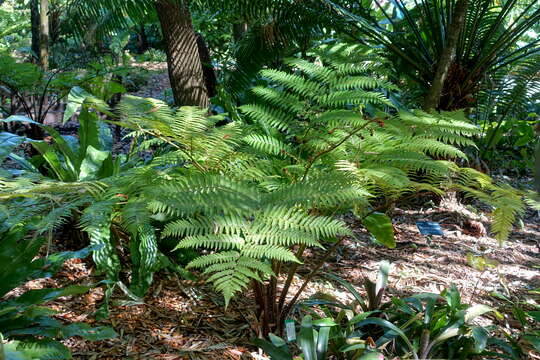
x,y
244,247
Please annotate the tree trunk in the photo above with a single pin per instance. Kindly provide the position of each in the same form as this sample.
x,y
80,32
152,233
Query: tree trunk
x,y
185,68
239,29
142,43
44,34
34,21
434,94
210,79
537,161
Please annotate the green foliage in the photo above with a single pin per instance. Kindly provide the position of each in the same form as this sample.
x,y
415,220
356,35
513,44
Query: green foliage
x,y
414,34
527,313
313,343
421,326
23,318
507,112
14,33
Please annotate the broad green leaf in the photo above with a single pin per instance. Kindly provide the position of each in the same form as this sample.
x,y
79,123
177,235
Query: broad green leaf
x,y
273,351
88,332
535,315
144,254
55,163
534,340
475,311
322,342
89,133
480,336
20,118
8,142
276,340
40,296
36,350
362,316
92,163
380,226
393,328
324,322
352,347
306,340
75,99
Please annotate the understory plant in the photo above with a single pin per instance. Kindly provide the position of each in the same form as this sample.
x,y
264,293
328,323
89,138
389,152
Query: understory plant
x,y
420,326
29,328
76,180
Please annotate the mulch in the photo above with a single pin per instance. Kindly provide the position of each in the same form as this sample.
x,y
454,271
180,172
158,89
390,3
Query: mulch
x,y
178,321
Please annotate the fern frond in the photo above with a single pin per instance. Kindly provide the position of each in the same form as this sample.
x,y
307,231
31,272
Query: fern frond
x,y
215,242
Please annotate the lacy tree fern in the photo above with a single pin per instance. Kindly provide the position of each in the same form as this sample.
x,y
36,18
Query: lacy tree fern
x,y
320,138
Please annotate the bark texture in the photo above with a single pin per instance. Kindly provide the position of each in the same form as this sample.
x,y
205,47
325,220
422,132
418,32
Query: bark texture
x,y
184,62
34,20
210,78
434,94
44,34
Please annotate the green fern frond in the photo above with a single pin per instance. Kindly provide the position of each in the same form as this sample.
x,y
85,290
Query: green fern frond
x,y
296,83
215,242
286,102
267,144
267,116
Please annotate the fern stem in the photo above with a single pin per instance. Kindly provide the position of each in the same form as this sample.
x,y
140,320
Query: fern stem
x,y
290,277
332,148
271,291
329,252
291,303
263,313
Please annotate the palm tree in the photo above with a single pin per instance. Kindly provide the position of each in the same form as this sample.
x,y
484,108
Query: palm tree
x,y
448,55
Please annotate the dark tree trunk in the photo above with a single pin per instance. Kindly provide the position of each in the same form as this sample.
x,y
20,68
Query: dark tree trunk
x,y
54,24
210,79
34,21
142,45
537,161
434,93
238,30
185,68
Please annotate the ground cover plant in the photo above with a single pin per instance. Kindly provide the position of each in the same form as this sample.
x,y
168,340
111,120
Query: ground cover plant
x,y
272,161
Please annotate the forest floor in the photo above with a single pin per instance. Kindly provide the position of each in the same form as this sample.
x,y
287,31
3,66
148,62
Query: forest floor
x,y
179,321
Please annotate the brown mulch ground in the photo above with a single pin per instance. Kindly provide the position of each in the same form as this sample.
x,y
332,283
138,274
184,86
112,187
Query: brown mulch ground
x,y
181,322
158,81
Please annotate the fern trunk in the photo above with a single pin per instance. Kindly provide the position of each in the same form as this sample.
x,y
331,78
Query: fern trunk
x,y
435,92
185,68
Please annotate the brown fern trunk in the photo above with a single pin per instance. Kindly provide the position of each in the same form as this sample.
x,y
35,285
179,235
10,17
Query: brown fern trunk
x,y
185,68
434,94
